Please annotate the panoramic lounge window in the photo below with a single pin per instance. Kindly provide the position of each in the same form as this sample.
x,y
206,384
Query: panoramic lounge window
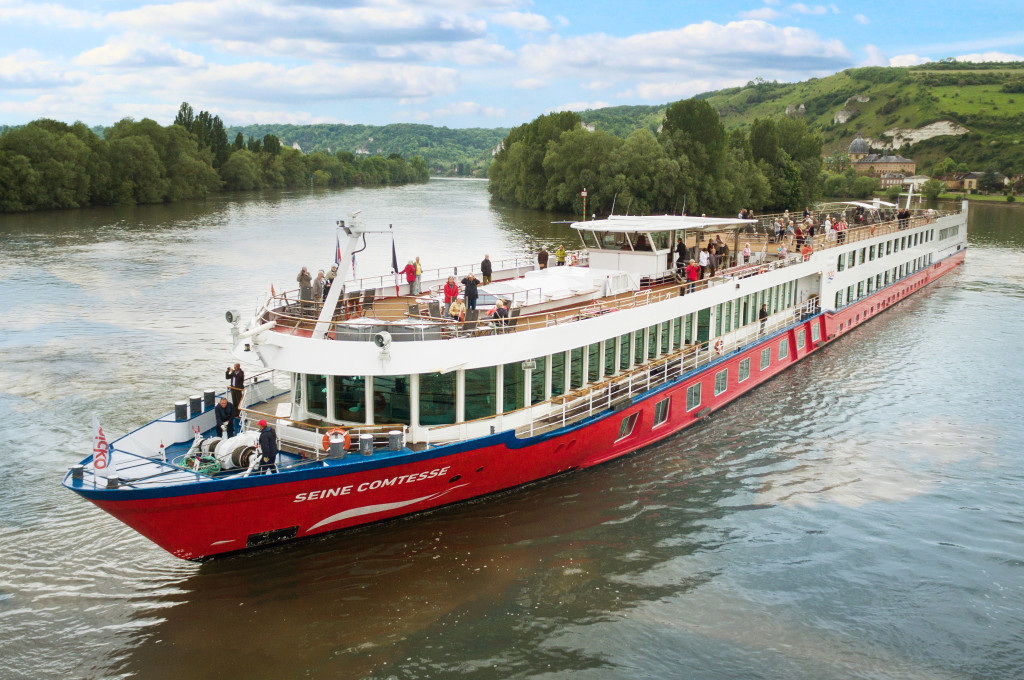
x,y
481,387
437,398
316,394
350,398
391,399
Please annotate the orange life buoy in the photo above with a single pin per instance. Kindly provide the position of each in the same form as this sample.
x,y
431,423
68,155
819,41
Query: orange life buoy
x,y
327,438
572,259
719,346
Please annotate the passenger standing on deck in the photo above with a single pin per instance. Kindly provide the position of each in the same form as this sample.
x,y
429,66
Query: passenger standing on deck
x,y
841,231
542,258
410,277
560,255
703,261
722,250
419,277
746,253
712,260
485,269
470,283
305,288
763,316
692,274
225,414
329,280
681,255
236,383
451,292
318,286
268,448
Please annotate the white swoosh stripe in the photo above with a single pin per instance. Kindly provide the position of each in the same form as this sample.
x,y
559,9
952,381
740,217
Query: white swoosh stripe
x,y
382,507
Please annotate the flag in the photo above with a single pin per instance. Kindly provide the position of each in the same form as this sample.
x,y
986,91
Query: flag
x,y
163,452
337,250
394,262
102,458
272,293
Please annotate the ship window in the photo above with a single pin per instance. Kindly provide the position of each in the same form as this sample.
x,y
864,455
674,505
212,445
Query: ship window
x,y
692,396
744,370
437,398
557,374
839,299
860,289
863,252
652,342
728,316
316,394
840,263
590,239
512,380
718,321
871,283
391,399
801,339
624,351
576,368
661,411
871,253
766,357
594,362
350,398
481,385
737,309
638,347
628,423
688,335
815,333
721,381
851,258
878,281
849,294
538,381
609,357
666,336
784,348
677,332
888,247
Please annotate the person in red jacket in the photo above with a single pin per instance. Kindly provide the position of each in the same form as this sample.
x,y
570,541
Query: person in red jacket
x,y
692,275
410,277
451,291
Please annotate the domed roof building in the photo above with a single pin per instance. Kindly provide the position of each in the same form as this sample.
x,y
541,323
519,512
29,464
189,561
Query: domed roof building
x,y
859,148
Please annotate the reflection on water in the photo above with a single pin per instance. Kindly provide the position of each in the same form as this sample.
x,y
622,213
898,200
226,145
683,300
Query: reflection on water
x,y
858,516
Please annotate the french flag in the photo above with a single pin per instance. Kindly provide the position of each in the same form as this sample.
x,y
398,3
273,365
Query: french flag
x,y
337,250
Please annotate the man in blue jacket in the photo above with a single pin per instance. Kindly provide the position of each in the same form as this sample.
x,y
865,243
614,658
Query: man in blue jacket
x,y
268,448
225,413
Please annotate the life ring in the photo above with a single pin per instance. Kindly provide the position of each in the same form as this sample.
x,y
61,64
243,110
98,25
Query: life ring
x,y
327,438
572,259
719,345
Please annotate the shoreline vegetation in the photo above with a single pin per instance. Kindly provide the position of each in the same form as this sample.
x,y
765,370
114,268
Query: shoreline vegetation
x,y
48,165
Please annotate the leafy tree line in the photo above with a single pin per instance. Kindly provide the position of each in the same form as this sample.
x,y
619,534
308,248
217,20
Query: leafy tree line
x,y
48,164
692,163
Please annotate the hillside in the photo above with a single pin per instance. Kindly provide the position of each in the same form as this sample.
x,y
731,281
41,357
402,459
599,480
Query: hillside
x,y
447,151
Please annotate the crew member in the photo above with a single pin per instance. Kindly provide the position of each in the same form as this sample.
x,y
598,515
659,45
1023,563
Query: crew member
x,y
268,448
236,383
225,414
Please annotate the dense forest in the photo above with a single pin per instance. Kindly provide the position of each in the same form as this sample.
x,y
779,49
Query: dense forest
x,y
692,163
48,164
458,152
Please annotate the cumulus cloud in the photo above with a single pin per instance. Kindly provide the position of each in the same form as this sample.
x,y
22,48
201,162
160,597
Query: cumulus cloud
x,y
137,51
907,60
990,56
524,21
801,8
46,14
671,90
580,106
766,13
469,109
874,56
30,70
861,19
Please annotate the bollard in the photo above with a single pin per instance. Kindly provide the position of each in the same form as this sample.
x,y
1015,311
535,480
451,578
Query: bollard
x,y
337,445
77,471
195,405
208,399
113,482
366,444
395,440
181,410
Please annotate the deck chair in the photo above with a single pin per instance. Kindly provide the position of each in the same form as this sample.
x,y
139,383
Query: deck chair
x,y
367,302
434,309
472,315
467,328
512,320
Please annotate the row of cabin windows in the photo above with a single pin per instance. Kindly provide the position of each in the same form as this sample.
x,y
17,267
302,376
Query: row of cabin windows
x,y
869,253
871,284
949,232
721,383
524,383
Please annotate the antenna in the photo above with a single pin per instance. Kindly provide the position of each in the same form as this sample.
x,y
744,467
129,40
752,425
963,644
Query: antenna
x,y
613,202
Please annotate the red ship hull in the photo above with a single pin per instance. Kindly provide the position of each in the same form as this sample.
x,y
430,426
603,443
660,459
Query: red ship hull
x,y
200,522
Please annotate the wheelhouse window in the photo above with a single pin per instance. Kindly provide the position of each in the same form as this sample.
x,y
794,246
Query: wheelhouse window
x,y
661,411
692,396
538,382
744,370
316,394
628,423
391,399
437,398
721,381
350,398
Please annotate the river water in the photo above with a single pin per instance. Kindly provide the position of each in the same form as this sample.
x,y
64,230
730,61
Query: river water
x,y
859,516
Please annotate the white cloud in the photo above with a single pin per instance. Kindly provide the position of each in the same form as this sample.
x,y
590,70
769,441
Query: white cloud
x,y
561,21
137,51
874,56
580,106
990,56
530,84
835,10
766,13
597,85
670,91
523,21
861,19
30,70
801,8
46,14
907,60
469,109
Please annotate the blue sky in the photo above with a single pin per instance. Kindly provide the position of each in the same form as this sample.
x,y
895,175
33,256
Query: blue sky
x,y
460,63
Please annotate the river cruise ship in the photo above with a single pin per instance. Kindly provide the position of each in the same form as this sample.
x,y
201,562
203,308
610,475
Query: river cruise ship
x,y
382,405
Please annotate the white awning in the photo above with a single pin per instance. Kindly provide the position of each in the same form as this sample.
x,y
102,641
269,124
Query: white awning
x,y
657,223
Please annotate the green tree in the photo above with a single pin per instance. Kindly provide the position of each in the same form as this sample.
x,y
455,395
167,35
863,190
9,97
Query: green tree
x,y
574,162
241,172
517,172
932,188
693,131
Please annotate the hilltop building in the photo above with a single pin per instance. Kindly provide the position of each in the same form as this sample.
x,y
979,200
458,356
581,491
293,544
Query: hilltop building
x,y
876,165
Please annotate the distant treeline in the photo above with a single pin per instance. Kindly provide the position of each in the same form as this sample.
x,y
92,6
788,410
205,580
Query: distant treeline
x,y
48,164
693,162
